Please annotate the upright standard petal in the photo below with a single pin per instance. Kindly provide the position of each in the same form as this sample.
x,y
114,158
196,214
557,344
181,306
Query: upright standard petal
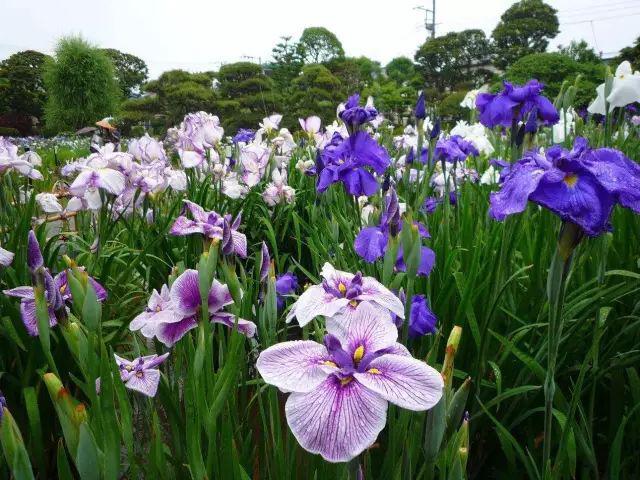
x,y
297,366
313,302
370,329
185,292
339,419
405,381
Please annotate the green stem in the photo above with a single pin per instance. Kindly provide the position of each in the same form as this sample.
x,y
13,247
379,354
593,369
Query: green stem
x,y
570,236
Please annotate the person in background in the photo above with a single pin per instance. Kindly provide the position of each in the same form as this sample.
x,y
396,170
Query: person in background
x,y
106,133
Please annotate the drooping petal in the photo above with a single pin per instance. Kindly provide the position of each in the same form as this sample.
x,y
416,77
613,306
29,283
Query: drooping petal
x,y
170,333
20,292
370,243
405,381
29,318
145,382
513,196
337,421
185,292
185,226
111,180
239,241
245,327
6,257
297,366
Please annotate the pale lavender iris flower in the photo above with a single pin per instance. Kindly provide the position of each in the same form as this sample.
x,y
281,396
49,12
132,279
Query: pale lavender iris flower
x,y
340,390
6,257
141,373
338,296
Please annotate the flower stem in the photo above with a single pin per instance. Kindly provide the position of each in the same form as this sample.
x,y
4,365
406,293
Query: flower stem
x,y
570,236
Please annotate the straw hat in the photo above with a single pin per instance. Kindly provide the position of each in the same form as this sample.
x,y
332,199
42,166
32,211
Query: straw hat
x,y
104,123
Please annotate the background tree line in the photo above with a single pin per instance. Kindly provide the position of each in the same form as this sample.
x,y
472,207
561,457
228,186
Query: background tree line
x,y
310,75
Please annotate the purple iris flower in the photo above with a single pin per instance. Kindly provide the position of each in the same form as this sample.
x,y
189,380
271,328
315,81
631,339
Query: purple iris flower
x,y
212,225
286,284
372,242
421,107
580,186
435,131
141,374
3,405
340,390
430,204
348,160
422,321
244,135
514,104
337,297
411,155
354,115
455,149
173,312
56,289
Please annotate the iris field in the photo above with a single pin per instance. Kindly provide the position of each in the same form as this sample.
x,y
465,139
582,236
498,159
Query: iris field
x,y
345,301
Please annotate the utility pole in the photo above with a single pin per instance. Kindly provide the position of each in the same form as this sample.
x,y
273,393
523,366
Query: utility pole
x,y
429,23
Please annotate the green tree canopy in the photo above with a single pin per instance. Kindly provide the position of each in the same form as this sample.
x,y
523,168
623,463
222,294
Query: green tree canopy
x,y
316,92
131,71
455,58
631,54
288,59
169,98
22,91
354,74
320,45
580,52
401,70
525,27
245,95
81,85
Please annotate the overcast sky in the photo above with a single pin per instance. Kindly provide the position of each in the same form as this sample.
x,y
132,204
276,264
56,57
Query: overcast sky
x,y
198,35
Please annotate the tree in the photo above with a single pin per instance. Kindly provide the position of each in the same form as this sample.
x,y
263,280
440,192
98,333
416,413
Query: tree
x,y
169,98
131,71
81,85
553,69
288,60
355,74
22,92
631,54
401,70
455,58
580,51
392,99
245,95
524,28
316,92
320,45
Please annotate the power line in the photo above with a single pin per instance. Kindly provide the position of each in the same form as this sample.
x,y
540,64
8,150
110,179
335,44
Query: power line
x,y
589,7
634,14
619,10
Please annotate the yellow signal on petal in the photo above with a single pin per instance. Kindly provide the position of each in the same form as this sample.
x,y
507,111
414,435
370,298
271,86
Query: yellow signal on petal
x,y
345,381
358,354
375,371
571,180
329,363
341,288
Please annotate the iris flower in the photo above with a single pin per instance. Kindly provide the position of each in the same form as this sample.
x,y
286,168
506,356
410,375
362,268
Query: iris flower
x,y
354,115
6,257
514,104
140,374
286,284
372,243
340,390
56,290
338,296
581,186
173,312
212,225
349,160
625,90
422,321
455,149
